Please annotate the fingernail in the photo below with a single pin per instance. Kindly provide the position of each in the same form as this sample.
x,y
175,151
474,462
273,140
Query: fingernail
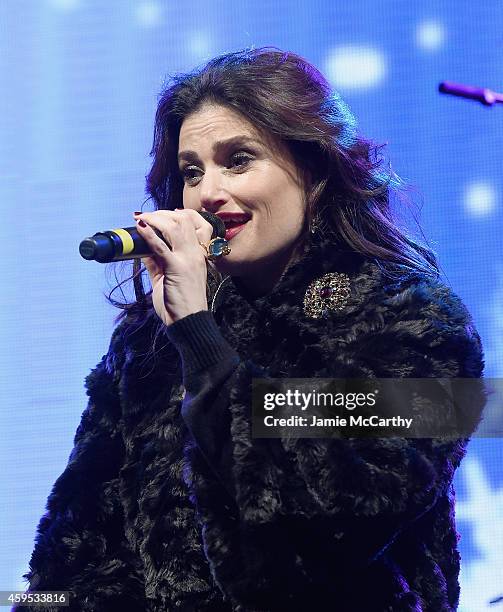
x,y
141,223
137,212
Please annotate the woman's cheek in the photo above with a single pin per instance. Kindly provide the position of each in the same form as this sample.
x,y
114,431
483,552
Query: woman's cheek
x,y
188,199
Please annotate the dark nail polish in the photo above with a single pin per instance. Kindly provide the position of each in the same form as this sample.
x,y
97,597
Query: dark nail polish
x,y
141,223
137,212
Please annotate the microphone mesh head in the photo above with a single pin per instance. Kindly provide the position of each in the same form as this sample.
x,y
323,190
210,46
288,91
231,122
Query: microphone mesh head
x,y
217,224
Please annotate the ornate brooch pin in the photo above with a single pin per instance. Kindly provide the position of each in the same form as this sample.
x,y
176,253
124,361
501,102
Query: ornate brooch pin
x,y
330,292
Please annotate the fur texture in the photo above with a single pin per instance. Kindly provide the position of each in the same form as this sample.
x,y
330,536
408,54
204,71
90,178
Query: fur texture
x,y
139,521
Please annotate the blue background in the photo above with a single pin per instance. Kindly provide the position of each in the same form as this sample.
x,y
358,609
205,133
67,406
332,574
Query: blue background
x,y
79,81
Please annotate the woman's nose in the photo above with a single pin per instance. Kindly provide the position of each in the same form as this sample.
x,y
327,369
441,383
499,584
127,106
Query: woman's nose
x,y
212,193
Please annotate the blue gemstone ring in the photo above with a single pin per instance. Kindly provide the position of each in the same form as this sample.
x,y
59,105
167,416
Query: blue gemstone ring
x,y
216,248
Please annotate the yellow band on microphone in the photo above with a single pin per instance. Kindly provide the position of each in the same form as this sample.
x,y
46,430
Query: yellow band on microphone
x,y
126,239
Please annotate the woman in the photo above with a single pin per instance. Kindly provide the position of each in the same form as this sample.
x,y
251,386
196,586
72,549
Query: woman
x,y
168,502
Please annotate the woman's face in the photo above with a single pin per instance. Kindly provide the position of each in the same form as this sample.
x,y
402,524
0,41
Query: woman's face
x,y
250,180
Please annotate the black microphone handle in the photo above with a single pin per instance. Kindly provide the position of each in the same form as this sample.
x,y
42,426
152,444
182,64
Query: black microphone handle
x,y
126,242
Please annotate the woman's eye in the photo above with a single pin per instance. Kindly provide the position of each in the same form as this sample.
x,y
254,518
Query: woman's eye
x,y
191,174
240,160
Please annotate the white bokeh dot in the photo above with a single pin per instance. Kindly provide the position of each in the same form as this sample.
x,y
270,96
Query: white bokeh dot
x,y
430,35
355,67
480,198
148,14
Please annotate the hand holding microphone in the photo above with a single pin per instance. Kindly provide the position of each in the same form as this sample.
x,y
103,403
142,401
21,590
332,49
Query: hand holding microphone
x,y
174,246
127,243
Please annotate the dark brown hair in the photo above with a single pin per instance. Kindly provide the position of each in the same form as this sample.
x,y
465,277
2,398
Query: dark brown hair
x,y
282,94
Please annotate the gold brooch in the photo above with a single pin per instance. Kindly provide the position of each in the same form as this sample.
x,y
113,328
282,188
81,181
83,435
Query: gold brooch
x,y
330,292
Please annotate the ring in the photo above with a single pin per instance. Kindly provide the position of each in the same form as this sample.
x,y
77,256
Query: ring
x,y
215,248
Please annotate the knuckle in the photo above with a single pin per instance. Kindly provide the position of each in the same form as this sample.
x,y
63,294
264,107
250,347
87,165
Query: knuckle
x,y
165,214
192,215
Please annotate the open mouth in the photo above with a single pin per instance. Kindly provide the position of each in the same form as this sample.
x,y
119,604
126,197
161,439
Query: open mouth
x,y
232,228
234,223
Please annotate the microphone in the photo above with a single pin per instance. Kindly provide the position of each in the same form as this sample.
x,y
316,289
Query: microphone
x,y
126,242
481,94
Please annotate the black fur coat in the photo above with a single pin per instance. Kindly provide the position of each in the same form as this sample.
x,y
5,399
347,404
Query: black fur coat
x,y
141,519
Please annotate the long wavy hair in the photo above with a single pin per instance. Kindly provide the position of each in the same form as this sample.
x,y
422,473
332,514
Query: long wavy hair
x,y
282,94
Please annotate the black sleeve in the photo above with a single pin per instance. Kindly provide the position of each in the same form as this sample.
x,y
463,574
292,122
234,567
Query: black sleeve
x,y
80,543
209,365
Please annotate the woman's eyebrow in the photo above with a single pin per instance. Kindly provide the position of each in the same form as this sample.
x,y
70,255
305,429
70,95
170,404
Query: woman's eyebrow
x,y
218,146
